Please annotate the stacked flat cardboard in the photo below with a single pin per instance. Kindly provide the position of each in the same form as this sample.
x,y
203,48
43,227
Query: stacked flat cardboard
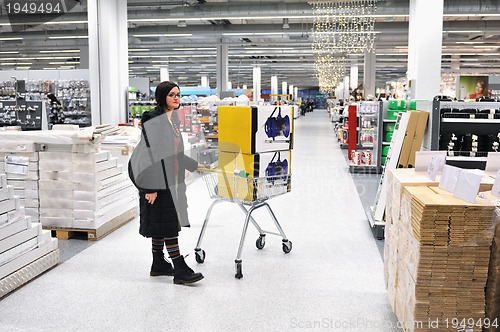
x,y
413,138
21,168
82,190
493,284
439,251
22,243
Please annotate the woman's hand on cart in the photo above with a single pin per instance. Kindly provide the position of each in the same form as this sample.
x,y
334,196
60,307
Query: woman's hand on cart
x,y
202,168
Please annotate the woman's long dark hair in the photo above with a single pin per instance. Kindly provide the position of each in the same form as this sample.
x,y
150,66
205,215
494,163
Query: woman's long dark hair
x,y
162,90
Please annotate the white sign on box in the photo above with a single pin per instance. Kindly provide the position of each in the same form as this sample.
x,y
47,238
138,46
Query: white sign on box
x,y
496,186
424,158
467,185
449,178
493,161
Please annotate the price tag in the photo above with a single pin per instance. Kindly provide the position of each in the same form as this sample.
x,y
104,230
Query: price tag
x,y
467,185
449,178
495,191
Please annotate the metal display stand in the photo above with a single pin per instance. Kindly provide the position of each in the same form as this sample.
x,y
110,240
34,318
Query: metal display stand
x,y
252,192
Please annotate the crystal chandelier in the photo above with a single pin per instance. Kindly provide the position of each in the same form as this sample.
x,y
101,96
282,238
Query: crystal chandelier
x,y
344,26
329,70
340,27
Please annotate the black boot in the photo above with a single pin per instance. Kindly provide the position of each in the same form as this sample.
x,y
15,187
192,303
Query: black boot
x,y
183,274
160,266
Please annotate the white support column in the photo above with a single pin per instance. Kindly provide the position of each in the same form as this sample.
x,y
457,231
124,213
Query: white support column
x,y
290,91
296,92
369,74
222,67
108,60
229,85
284,87
346,88
354,77
204,81
256,84
424,48
274,88
164,74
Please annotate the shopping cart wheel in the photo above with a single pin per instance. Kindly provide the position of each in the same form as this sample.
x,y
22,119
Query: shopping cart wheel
x,y
261,241
287,246
200,255
238,274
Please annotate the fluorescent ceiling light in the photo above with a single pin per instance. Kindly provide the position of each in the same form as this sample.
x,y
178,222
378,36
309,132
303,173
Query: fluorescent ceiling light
x,y
9,52
11,38
63,22
166,35
61,51
22,68
15,63
174,56
269,48
195,49
470,42
62,63
138,49
463,31
263,17
68,37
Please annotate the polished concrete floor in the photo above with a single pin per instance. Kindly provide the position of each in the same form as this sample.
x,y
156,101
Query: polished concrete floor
x,y
331,280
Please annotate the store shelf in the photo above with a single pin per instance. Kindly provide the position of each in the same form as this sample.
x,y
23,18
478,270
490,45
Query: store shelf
x,y
465,120
463,158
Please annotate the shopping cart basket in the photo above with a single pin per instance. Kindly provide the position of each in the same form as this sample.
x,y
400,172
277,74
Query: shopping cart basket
x,y
253,192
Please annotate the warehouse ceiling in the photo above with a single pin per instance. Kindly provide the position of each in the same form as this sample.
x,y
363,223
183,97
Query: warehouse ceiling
x,y
276,35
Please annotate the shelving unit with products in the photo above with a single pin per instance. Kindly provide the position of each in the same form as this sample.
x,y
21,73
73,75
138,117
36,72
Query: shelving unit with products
x,y
467,131
66,102
367,157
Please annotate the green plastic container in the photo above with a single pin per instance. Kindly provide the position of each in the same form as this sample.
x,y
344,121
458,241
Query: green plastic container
x,y
385,151
397,104
413,103
392,114
382,160
388,136
389,126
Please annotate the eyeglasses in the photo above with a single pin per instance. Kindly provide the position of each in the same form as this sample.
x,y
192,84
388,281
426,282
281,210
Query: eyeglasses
x,y
173,95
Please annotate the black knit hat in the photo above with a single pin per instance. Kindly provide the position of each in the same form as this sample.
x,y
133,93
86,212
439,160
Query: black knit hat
x,y
162,90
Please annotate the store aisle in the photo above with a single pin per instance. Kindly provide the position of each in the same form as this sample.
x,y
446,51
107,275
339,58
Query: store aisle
x,y
332,279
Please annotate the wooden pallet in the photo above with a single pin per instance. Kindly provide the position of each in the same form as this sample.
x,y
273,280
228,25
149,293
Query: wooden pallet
x,y
65,233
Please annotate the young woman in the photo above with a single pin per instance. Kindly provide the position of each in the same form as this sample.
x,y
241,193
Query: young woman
x,y
157,167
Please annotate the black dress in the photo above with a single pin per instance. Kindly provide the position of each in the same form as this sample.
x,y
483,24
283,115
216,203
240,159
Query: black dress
x,y
152,168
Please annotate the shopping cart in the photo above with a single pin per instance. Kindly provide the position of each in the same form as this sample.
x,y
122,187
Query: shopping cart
x,y
253,192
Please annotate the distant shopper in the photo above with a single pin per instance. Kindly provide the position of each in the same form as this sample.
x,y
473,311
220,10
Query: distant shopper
x,y
157,168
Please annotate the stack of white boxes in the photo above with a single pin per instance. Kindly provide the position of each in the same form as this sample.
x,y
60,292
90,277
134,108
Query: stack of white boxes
x,y
25,249
20,164
82,190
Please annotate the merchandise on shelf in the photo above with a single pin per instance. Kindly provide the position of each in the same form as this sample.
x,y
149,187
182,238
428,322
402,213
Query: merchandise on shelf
x,y
467,131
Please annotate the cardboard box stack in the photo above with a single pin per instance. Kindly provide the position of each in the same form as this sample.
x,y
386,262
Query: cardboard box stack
x,y
82,189
493,284
25,249
439,251
254,143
